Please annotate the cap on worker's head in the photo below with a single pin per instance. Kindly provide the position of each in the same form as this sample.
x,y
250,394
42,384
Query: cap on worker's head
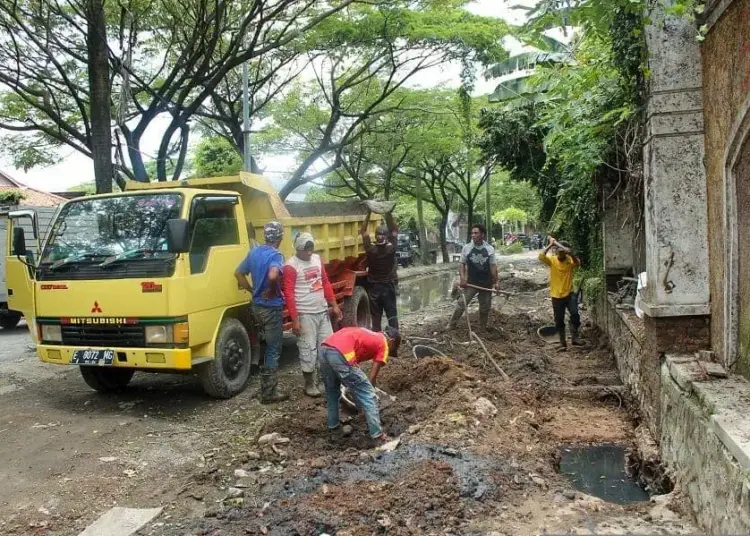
x,y
304,241
273,231
393,334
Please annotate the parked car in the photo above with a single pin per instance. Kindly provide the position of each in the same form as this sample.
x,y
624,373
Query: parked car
x,y
406,249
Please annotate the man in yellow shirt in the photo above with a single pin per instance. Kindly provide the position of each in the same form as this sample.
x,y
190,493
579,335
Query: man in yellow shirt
x,y
561,266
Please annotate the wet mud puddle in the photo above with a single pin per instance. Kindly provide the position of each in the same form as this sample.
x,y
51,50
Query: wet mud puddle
x,y
599,470
416,294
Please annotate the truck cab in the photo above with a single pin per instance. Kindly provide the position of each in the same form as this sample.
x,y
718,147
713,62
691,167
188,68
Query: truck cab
x,y
143,280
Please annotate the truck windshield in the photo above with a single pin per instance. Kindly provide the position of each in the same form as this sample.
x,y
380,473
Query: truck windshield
x,y
91,230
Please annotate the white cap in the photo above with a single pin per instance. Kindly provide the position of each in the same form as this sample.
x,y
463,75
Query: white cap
x,y
302,239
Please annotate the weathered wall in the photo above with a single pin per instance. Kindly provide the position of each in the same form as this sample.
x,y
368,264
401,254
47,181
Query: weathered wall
x,y
702,443
674,176
638,367
725,59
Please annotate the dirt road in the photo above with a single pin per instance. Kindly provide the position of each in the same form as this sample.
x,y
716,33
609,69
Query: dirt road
x,y
477,456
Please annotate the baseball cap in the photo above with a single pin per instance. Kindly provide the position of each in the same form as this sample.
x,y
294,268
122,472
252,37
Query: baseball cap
x,y
273,231
302,240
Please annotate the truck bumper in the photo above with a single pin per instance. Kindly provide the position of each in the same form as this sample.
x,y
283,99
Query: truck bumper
x,y
142,358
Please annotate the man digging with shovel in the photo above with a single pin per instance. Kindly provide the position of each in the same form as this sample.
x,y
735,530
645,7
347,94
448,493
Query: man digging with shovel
x,y
340,355
478,272
561,267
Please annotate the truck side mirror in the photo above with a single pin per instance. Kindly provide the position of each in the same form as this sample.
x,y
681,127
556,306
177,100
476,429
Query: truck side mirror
x,y
178,236
19,242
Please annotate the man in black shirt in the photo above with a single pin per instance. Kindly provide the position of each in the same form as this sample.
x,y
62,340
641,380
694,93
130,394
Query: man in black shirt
x,y
478,268
382,277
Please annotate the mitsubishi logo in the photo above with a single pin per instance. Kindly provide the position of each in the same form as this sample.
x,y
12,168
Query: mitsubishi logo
x,y
96,308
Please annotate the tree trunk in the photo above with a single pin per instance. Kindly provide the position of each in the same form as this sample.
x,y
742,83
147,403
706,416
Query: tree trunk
x,y
101,113
470,220
420,223
443,240
487,203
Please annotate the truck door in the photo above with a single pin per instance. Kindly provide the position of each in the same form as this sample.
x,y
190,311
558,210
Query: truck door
x,y
19,275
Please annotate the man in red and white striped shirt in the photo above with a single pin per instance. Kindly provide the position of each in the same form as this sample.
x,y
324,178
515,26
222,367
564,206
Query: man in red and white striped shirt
x,y
308,293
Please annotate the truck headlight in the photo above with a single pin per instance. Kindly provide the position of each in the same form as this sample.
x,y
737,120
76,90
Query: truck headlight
x,y
158,334
51,333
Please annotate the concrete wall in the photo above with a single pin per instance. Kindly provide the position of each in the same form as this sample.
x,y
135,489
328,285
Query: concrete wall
x,y
703,443
725,58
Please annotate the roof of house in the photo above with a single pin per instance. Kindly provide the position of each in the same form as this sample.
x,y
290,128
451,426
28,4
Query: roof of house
x,y
34,197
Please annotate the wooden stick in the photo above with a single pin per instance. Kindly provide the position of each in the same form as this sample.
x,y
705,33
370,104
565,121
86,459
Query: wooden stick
x,y
502,372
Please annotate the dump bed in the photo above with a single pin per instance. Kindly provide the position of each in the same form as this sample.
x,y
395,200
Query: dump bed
x,y
335,226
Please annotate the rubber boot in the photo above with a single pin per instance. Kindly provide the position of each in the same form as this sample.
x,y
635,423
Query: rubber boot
x,y
311,389
563,342
574,339
340,432
269,381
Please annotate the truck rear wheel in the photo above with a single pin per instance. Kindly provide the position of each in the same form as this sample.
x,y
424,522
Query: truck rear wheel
x,y
357,309
228,373
107,379
10,319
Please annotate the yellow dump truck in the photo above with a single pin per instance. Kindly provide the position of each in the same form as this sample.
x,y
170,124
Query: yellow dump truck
x,y
143,280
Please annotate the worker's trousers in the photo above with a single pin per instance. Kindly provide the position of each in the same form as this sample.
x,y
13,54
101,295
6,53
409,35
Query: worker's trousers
x,y
383,299
485,303
314,329
271,322
336,371
559,306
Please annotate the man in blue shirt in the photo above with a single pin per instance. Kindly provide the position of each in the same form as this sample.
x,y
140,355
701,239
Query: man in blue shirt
x,y
264,264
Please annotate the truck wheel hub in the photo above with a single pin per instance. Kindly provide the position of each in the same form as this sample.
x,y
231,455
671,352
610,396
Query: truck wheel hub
x,y
232,358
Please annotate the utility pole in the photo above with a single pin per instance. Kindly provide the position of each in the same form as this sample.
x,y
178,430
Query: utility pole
x,y
246,158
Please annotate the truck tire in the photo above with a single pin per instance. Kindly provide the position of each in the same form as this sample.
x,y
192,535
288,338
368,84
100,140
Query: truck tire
x,y
107,379
10,319
357,309
228,373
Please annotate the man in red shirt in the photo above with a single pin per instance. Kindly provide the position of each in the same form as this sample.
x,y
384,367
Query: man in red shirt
x,y
340,354
308,293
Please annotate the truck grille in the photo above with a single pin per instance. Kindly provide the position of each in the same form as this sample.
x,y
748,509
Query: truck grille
x,y
105,336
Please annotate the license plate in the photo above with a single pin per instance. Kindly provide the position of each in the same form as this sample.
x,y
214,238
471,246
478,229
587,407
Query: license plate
x,y
93,357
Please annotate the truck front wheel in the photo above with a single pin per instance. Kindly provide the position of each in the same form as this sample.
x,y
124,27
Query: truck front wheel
x,y
106,379
357,309
9,319
228,373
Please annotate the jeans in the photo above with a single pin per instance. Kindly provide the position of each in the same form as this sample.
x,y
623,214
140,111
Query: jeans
x,y
315,328
336,371
383,298
559,306
271,322
485,303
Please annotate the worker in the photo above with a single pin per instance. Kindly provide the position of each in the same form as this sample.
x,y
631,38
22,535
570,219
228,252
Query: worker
x,y
478,276
382,277
308,294
561,266
340,354
264,264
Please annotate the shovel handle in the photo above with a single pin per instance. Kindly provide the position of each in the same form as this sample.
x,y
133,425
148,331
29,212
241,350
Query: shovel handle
x,y
489,289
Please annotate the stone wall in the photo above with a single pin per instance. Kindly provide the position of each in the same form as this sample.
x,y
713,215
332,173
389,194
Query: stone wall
x,y
703,443
638,368
725,60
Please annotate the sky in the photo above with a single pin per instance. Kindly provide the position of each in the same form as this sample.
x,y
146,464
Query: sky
x,y
73,168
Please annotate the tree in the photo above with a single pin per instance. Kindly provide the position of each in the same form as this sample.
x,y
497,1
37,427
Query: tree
x,y
165,57
216,157
99,88
374,52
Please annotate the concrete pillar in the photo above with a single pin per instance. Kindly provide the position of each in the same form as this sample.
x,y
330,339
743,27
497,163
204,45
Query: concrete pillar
x,y
675,178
